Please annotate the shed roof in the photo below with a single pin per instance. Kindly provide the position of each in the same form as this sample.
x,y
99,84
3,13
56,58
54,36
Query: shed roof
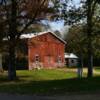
x,y
70,55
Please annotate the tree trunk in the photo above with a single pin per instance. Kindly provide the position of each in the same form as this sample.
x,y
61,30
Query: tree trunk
x,y
12,44
90,65
90,57
89,38
11,66
81,57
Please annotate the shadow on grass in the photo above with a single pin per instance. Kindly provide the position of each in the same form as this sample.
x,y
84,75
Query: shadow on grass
x,y
52,86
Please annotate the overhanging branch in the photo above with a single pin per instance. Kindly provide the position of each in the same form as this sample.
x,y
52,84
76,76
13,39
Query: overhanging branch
x,y
31,21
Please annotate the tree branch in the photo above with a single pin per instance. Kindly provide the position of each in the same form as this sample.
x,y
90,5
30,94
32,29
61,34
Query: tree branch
x,y
93,7
31,21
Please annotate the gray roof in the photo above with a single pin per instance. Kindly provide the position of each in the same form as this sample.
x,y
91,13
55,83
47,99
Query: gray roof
x,y
70,55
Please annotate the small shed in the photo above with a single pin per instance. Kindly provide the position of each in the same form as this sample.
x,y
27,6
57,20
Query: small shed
x,y
71,59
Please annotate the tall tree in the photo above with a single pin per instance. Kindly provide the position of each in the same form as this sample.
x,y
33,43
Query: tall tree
x,y
17,16
91,7
84,13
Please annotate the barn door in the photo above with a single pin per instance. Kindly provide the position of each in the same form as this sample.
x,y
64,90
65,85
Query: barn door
x,y
48,61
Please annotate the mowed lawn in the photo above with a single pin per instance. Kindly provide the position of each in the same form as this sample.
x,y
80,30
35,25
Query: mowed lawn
x,y
53,81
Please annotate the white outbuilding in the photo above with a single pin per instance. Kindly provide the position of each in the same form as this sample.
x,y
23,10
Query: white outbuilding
x,y
71,59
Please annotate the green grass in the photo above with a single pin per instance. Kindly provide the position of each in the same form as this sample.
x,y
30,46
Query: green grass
x,y
97,69
41,75
55,81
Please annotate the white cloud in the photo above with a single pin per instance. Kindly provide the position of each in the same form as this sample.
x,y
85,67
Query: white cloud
x,y
56,25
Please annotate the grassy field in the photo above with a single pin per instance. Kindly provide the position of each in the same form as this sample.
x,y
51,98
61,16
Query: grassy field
x,y
53,81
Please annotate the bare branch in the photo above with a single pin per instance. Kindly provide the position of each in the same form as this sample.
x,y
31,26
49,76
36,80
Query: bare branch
x,y
93,7
31,21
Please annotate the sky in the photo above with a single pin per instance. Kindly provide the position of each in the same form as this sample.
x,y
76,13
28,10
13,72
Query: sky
x,y
57,25
76,1
60,24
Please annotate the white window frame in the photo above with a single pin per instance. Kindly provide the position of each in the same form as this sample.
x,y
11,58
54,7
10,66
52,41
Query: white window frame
x,y
59,59
37,59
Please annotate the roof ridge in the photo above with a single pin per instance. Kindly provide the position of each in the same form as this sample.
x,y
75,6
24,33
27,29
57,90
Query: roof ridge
x,y
40,33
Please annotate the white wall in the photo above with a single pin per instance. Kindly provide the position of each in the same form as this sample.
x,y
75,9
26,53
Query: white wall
x,y
72,62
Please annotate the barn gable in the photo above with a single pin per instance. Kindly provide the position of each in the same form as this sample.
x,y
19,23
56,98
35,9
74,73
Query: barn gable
x,y
42,36
49,37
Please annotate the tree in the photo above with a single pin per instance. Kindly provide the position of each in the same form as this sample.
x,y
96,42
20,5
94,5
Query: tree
x,y
84,13
76,40
91,6
17,16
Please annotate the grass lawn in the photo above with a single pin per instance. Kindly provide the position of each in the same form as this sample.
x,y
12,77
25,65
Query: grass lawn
x,y
53,81
97,69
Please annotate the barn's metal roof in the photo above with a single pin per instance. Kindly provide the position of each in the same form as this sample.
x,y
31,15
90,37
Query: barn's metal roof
x,y
31,35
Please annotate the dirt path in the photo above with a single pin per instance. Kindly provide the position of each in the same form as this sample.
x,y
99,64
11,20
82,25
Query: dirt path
x,y
65,97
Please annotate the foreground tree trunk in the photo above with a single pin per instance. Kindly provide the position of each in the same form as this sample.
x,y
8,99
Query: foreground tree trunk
x,y
90,59
89,38
12,44
11,66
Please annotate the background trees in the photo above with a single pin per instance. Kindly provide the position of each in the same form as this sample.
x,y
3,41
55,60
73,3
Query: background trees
x,y
76,41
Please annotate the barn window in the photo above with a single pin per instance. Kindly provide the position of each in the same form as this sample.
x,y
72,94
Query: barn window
x,y
36,58
59,59
49,59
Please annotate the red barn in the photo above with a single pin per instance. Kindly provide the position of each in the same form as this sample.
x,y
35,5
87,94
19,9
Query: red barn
x,y
45,50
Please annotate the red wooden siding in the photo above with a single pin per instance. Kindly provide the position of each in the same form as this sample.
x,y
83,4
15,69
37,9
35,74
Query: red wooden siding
x,y
47,49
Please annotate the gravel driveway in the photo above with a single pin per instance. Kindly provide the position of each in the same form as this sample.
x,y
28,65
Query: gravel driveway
x,y
65,97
